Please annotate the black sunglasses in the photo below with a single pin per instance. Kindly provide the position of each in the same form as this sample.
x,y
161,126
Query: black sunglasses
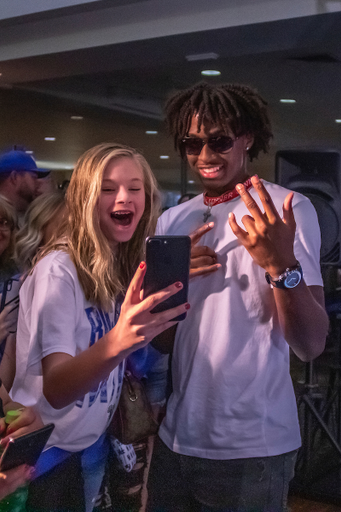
x,y
219,144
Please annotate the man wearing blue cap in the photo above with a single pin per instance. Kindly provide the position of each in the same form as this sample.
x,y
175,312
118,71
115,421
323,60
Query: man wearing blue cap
x,y
18,179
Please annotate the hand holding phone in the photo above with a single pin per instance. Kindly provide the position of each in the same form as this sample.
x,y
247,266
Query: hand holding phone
x,y
168,261
25,449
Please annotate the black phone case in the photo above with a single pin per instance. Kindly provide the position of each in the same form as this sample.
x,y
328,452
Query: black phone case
x,y
25,449
168,261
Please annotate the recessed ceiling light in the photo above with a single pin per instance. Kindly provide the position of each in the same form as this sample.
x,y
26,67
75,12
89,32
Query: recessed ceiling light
x,y
190,182
202,56
151,132
337,120
77,118
51,139
210,72
164,157
287,101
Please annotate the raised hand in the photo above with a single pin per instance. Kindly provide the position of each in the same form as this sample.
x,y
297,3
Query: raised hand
x,y
267,237
203,258
136,325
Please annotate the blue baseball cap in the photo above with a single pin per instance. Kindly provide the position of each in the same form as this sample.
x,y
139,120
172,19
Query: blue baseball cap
x,y
16,160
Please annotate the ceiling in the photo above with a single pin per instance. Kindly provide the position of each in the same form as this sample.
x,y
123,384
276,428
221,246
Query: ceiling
x,y
118,82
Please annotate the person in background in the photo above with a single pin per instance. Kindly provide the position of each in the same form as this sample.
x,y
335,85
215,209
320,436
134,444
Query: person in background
x,y
230,434
19,179
46,185
186,197
9,286
45,218
75,329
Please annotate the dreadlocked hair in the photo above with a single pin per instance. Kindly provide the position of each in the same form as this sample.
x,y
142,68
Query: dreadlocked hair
x,y
234,107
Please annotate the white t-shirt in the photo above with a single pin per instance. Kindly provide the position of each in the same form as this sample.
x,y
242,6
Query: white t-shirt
x,y
54,316
233,395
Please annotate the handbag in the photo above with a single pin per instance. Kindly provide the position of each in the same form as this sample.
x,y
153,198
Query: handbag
x,y
133,419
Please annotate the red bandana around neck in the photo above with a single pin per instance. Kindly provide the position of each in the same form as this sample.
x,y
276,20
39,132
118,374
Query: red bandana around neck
x,y
227,196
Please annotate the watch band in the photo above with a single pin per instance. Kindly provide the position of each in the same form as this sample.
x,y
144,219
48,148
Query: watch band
x,y
290,278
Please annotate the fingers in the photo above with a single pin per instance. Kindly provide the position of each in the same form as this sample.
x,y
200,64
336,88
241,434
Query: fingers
x,y
164,318
28,421
198,233
268,205
288,212
200,271
202,256
237,230
153,300
134,290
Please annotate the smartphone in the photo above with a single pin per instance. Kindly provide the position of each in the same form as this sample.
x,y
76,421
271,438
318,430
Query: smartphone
x,y
10,297
25,449
168,261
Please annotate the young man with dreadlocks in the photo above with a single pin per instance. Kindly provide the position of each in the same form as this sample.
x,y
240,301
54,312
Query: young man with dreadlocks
x,y
229,439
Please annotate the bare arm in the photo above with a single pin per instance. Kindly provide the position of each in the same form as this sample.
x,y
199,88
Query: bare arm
x,y
67,378
303,319
270,241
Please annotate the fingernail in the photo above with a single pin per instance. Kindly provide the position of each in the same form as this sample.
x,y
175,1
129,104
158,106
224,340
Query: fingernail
x,y
239,187
142,264
210,224
187,306
256,178
178,284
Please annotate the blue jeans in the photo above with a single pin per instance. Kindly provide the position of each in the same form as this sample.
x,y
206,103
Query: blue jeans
x,y
179,483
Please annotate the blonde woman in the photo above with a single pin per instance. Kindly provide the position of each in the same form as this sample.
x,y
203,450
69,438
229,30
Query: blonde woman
x,y
44,218
72,337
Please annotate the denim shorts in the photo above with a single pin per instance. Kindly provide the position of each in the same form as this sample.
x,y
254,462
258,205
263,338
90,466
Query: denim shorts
x,y
180,483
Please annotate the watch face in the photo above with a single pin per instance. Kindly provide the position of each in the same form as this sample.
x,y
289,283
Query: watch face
x,y
292,279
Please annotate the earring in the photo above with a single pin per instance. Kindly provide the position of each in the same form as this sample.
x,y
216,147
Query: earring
x,y
247,148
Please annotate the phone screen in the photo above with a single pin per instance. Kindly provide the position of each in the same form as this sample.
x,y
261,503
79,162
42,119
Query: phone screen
x,y
168,261
10,297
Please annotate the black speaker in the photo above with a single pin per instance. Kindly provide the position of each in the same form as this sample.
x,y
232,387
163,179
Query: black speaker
x,y
317,175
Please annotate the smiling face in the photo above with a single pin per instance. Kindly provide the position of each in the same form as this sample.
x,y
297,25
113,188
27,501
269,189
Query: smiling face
x,y
219,172
121,202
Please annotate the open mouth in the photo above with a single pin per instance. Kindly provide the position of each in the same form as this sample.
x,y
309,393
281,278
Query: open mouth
x,y
122,218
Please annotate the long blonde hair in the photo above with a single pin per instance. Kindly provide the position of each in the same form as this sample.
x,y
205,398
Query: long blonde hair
x,y
103,274
30,237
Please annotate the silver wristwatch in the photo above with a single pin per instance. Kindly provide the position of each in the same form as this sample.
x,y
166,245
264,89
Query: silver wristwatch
x,y
290,278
